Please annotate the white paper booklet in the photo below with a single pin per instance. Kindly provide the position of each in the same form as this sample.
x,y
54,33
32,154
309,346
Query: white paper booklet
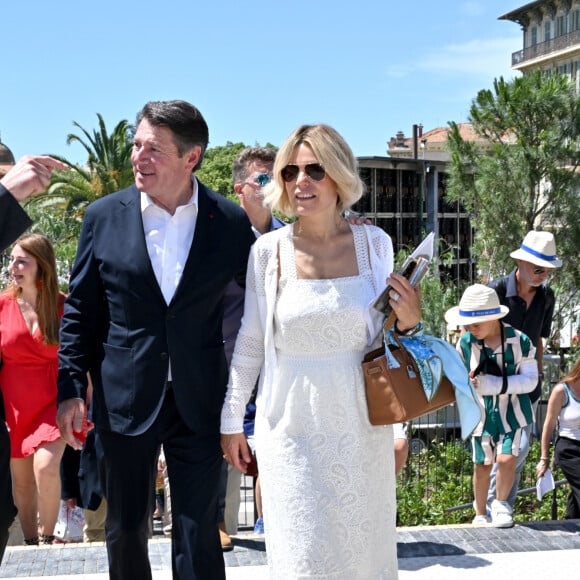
x,y
545,484
414,268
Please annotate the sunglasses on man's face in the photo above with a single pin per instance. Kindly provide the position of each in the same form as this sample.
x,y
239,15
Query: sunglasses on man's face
x,y
262,179
313,170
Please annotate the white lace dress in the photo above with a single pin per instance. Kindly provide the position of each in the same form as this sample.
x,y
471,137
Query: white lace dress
x,y
328,482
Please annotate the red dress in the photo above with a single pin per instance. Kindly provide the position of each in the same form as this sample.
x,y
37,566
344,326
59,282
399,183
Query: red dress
x,y
27,380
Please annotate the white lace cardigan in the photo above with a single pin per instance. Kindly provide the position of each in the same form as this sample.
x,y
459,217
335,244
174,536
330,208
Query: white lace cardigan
x,y
255,353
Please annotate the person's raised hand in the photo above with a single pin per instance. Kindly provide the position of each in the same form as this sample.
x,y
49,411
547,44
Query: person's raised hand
x,y
30,175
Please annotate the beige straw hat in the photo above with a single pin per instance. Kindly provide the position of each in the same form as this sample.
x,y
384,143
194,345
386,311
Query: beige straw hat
x,y
479,303
539,248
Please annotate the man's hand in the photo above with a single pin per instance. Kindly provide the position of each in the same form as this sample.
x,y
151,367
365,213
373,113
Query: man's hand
x,y
30,175
69,419
355,219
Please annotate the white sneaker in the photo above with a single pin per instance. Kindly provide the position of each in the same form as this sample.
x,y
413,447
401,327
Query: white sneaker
x,y
501,514
480,521
487,510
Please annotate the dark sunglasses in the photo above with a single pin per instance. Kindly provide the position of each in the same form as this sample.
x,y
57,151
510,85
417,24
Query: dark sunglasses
x,y
314,170
261,179
538,271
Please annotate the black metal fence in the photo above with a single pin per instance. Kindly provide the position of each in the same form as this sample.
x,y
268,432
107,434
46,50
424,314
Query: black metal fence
x,y
435,485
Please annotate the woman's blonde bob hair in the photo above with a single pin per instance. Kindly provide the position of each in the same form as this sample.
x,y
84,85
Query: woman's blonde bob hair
x,y
332,152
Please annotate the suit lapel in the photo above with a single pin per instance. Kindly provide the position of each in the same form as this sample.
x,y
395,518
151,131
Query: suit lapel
x,y
136,245
202,237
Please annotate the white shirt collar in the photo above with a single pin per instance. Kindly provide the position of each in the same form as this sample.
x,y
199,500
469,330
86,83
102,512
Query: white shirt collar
x,y
147,201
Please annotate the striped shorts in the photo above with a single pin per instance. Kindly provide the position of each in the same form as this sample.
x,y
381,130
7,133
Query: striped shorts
x,y
485,448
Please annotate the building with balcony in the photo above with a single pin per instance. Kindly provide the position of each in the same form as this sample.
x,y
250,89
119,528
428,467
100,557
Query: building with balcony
x,y
551,37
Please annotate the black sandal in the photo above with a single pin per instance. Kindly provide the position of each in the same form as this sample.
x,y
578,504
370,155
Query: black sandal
x,y
31,541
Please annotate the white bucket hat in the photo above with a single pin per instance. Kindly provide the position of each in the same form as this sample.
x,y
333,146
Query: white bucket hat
x,y
539,248
479,303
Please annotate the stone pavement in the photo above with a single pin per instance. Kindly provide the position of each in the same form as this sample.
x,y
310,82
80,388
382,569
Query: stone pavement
x,y
533,551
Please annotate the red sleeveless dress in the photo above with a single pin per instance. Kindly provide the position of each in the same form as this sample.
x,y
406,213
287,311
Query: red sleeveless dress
x,y
27,380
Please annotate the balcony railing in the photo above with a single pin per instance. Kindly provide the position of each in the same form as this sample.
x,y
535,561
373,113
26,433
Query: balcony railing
x,y
547,47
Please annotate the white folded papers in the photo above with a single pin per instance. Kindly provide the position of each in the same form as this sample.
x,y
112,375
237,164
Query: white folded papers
x,y
545,484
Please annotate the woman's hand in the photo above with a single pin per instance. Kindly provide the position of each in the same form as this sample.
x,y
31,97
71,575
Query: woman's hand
x,y
405,302
541,467
236,451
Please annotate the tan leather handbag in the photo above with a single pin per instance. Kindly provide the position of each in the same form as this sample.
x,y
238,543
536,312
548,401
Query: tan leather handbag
x,y
395,395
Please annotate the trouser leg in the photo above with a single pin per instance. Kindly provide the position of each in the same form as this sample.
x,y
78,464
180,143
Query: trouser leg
x,y
127,468
193,463
567,454
7,507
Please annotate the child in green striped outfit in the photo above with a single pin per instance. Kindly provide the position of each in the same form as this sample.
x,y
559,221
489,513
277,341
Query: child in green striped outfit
x,y
503,370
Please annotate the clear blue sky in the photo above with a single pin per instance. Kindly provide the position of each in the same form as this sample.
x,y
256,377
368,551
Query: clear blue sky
x,y
256,69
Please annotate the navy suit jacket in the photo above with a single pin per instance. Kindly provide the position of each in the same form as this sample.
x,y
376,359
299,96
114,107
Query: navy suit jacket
x,y
117,325
13,219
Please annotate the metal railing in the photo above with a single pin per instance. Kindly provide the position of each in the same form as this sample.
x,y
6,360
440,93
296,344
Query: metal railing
x,y
432,468
439,459
547,47
522,492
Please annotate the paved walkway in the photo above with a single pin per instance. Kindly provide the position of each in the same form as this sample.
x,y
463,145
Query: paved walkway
x,y
533,551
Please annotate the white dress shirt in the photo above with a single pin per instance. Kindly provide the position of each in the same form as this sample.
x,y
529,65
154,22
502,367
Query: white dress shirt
x,y
168,238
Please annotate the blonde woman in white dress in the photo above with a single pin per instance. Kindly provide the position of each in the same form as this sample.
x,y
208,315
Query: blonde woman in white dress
x,y
328,476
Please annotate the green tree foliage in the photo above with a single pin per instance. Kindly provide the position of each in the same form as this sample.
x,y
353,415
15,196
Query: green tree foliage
x,y
59,211
109,156
216,169
108,169
437,293
523,174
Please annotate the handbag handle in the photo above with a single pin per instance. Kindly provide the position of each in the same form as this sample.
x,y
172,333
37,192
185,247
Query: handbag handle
x,y
382,351
392,362
390,321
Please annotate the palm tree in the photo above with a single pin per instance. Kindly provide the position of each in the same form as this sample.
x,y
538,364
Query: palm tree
x,y
109,160
59,211
108,169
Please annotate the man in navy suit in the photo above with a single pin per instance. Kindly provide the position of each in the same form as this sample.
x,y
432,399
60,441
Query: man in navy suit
x,y
29,176
144,317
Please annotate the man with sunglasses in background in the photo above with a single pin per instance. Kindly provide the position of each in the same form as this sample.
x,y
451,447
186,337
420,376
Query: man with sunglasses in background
x,y
531,302
252,171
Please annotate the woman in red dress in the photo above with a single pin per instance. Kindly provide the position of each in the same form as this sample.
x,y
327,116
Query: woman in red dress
x,y
30,311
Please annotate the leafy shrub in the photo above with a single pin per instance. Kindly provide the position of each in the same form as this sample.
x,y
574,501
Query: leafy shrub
x,y
435,488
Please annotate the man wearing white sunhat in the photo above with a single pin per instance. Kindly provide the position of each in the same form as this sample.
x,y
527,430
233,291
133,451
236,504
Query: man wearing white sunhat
x,y
531,308
502,367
